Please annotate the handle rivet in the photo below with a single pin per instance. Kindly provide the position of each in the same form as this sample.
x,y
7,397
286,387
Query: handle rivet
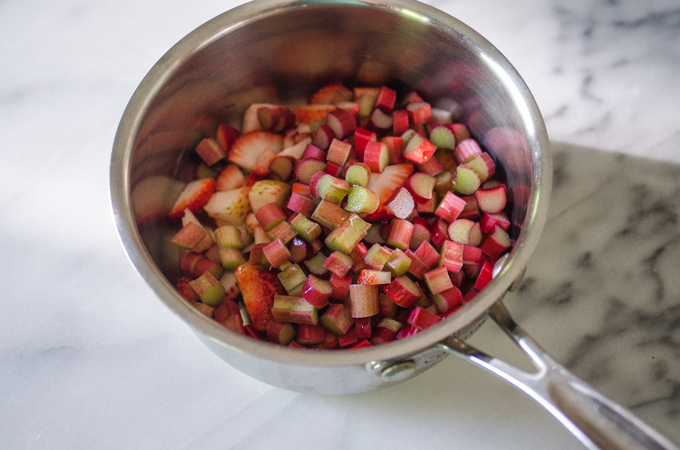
x,y
399,371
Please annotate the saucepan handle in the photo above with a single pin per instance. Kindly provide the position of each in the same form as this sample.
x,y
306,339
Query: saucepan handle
x,y
596,421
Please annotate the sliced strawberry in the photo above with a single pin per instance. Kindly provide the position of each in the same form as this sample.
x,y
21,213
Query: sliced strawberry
x,y
185,290
226,136
194,197
331,94
229,178
392,178
258,288
312,113
247,149
385,184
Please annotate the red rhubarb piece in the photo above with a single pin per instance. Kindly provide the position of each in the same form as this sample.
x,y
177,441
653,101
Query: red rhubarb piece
x,y
363,327
386,99
364,300
403,291
492,200
422,319
451,256
450,207
485,276
496,243
447,300
317,291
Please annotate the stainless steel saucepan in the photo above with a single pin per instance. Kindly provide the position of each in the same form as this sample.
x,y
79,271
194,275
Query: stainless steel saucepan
x,y
280,51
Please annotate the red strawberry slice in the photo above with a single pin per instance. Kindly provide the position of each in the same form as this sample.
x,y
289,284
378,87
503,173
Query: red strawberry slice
x,y
331,94
385,184
392,178
194,197
185,290
247,149
258,288
312,113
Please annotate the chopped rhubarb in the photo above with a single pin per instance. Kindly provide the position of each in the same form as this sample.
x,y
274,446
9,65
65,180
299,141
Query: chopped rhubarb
x,y
447,300
496,243
376,156
398,264
336,319
317,291
427,254
400,234
418,149
338,152
451,256
403,291
421,186
308,334
485,276
492,200
466,150
358,175
281,333
294,310
377,256
437,280
363,327
341,205
364,300
422,319
340,287
450,207
488,221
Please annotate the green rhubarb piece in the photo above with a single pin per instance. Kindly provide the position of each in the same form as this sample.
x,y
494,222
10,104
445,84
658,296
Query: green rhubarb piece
x,y
315,265
407,135
443,183
446,159
297,290
332,189
362,201
306,229
284,231
204,171
292,277
315,124
377,256
366,104
374,235
329,215
228,236
358,175
284,266
479,166
231,258
348,235
442,137
467,180
208,289
294,309
398,263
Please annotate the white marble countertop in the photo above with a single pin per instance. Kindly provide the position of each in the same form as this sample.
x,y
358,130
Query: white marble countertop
x,y
89,358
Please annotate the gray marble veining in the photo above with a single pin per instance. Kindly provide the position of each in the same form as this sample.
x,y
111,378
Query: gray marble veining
x,y
607,270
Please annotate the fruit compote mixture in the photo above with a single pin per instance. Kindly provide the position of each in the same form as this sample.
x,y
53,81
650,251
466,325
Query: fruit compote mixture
x,y
352,221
